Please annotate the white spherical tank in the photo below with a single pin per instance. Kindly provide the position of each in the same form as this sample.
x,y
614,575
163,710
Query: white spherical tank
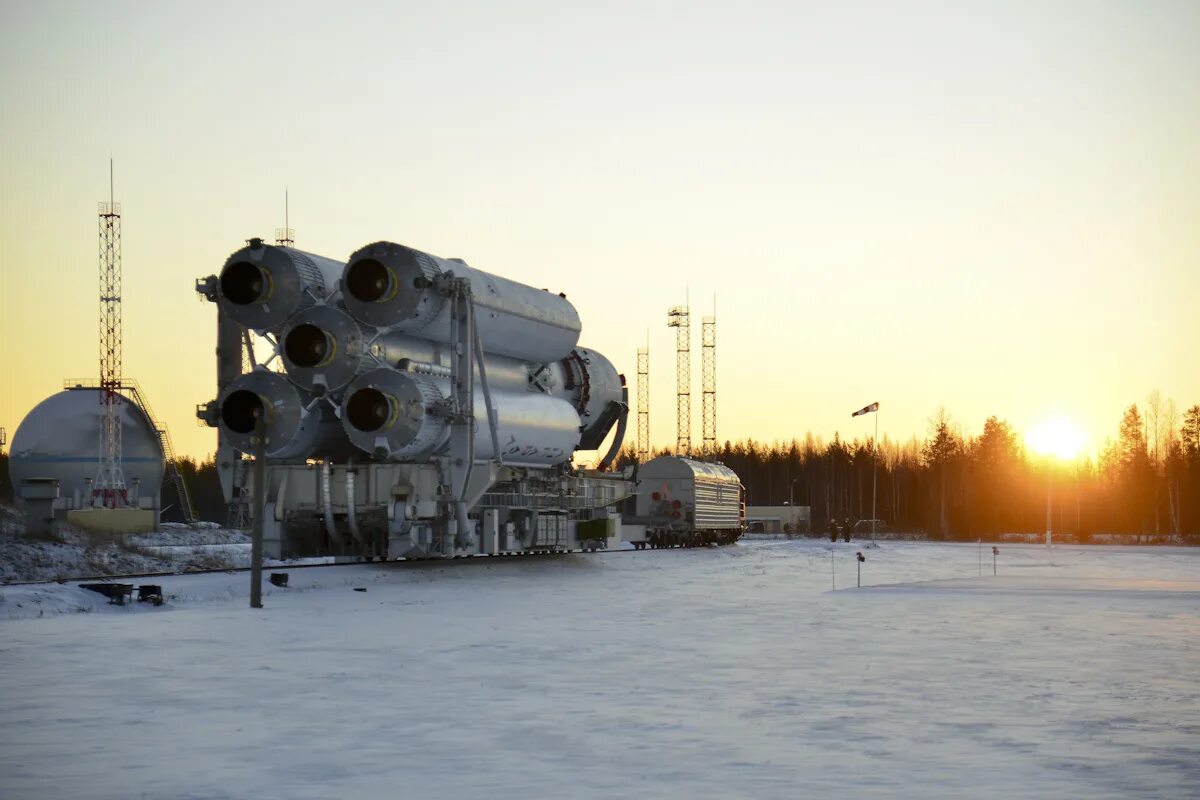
x,y
60,439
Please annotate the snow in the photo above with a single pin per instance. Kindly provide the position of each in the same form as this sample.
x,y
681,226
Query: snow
x,y
731,672
68,553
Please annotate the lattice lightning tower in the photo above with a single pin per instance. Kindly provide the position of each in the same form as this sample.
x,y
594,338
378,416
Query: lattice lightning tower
x,y
708,379
109,487
643,404
679,318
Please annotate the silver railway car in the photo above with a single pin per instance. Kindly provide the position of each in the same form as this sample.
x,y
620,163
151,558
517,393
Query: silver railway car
x,y
687,503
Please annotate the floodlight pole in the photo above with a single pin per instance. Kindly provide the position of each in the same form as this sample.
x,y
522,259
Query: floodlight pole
x,y
874,474
260,504
1049,503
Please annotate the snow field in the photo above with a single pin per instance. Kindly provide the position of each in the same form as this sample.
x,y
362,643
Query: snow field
x,y
730,672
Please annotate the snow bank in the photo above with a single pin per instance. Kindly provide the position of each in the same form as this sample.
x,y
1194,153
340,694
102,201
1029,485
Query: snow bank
x,y
69,553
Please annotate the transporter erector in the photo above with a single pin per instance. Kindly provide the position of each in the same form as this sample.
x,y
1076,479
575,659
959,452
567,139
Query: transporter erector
x,y
424,409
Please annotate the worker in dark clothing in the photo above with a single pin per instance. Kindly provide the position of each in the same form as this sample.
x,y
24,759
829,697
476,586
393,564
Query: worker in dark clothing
x,y
833,529
847,529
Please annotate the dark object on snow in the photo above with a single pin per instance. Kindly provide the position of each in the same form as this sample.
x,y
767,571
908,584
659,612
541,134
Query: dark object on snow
x,y
360,588
150,593
847,529
115,592
833,529
279,578
861,557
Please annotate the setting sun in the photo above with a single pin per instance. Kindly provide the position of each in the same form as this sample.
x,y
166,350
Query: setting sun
x,y
1057,437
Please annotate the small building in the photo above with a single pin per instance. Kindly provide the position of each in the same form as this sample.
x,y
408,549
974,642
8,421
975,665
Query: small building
x,y
779,519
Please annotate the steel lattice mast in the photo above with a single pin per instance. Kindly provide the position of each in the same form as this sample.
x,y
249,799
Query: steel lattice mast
x,y
643,404
109,487
679,318
708,388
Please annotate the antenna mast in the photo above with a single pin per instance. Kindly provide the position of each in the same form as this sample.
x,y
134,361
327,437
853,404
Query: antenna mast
x,y
680,319
109,487
708,371
643,404
285,236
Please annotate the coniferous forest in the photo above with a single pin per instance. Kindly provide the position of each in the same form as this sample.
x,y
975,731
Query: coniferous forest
x,y
1146,480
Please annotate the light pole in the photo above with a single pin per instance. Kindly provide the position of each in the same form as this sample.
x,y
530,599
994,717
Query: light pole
x,y
874,472
872,409
1049,504
1053,439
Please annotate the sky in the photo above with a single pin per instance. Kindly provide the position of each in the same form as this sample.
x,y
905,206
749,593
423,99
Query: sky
x,y
986,207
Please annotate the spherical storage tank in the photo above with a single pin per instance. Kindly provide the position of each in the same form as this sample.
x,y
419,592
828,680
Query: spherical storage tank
x,y
60,438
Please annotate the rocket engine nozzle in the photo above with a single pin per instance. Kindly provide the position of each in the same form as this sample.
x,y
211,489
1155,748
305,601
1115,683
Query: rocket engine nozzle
x,y
308,346
385,410
322,348
291,430
370,281
241,410
370,409
242,283
261,286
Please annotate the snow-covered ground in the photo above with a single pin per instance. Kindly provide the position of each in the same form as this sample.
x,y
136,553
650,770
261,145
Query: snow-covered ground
x,y
724,673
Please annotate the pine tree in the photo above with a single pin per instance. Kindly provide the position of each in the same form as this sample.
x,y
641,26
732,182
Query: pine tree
x,y
940,451
1136,475
1189,495
1189,434
995,458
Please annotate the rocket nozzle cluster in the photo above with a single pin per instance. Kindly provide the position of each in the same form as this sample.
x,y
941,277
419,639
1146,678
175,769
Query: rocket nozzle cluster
x,y
366,345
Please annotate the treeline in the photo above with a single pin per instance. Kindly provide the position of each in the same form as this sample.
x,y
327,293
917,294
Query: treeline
x,y
1146,480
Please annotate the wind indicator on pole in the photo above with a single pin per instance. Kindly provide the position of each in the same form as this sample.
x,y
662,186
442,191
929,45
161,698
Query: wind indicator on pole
x,y
872,409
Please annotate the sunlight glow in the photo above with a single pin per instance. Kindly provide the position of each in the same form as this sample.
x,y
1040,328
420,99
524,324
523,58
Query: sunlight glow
x,y
1057,437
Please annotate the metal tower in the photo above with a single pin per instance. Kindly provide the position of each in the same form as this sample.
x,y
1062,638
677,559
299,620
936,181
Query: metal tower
x,y
643,404
285,236
679,318
109,487
708,388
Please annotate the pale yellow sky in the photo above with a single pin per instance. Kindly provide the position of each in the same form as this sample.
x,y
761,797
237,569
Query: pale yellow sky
x,y
990,207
